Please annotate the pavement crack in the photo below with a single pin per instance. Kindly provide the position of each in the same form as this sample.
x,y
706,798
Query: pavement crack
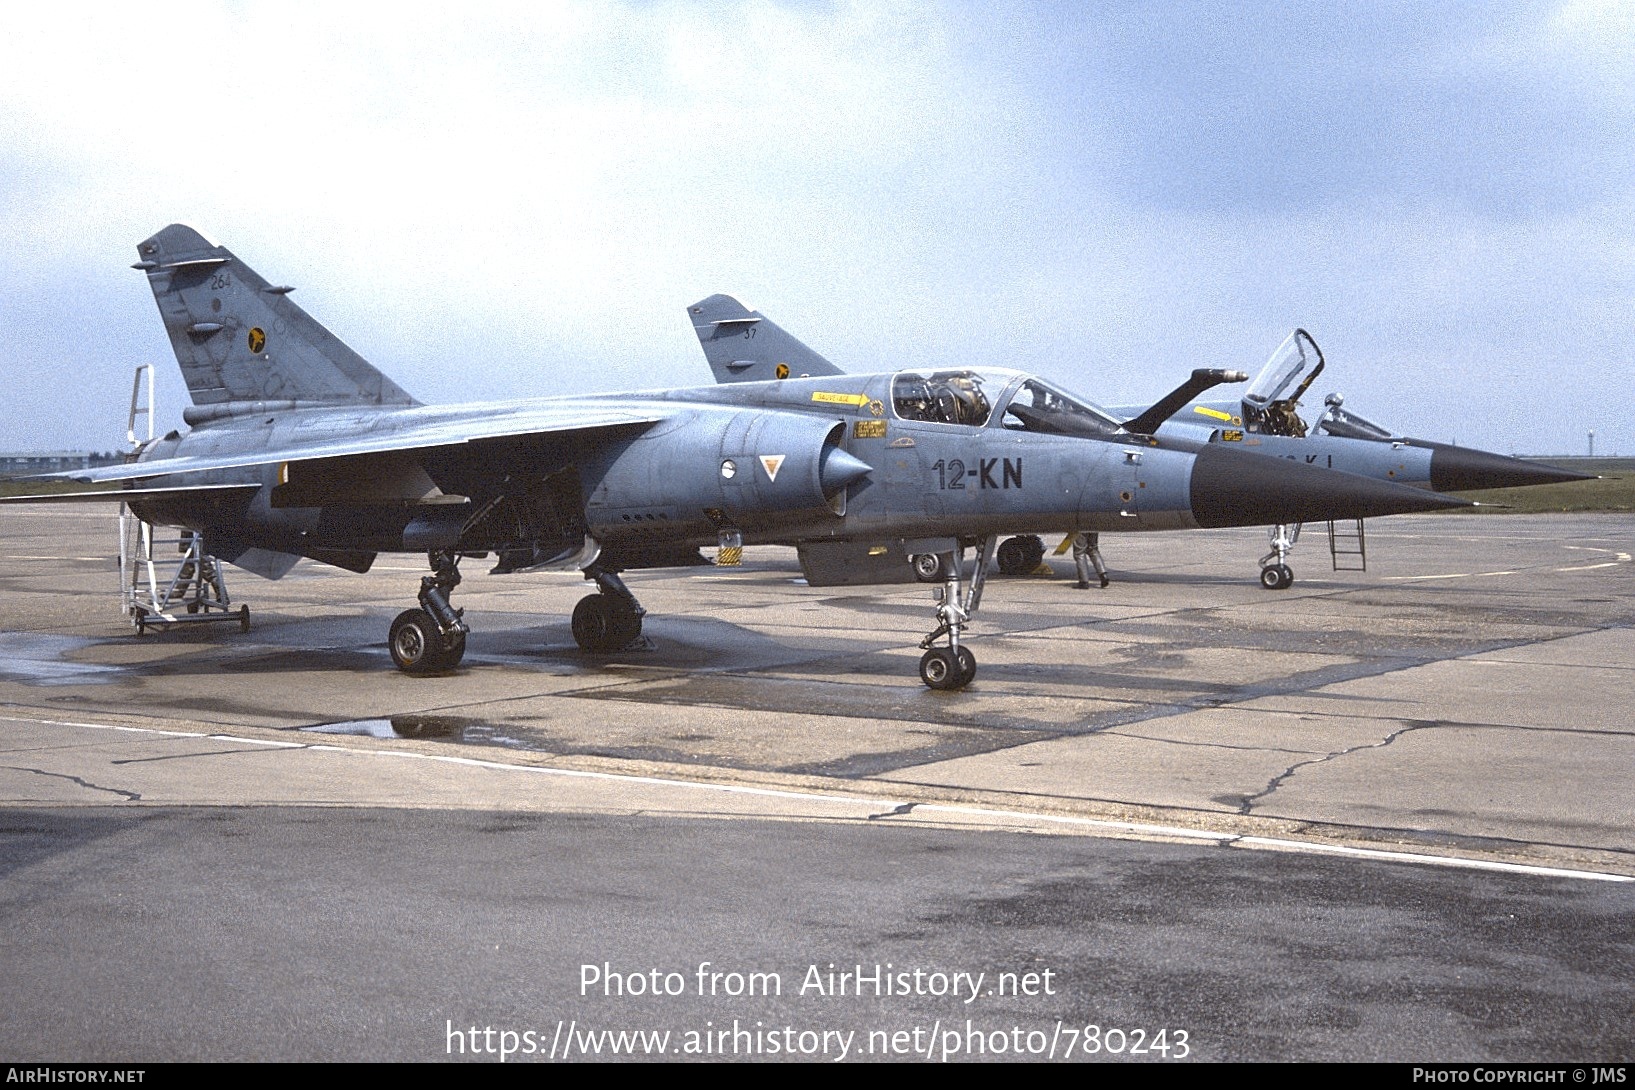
x,y
130,796
190,756
1248,802
1195,744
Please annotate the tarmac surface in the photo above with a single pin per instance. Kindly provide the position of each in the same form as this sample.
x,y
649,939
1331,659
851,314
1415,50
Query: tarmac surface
x,y
1335,802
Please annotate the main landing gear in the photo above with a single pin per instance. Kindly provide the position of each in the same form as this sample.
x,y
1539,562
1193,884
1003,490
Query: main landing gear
x,y
433,637
1020,555
954,666
1275,573
609,620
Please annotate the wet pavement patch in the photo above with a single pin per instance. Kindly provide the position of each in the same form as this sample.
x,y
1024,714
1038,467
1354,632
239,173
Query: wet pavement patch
x,y
35,658
440,728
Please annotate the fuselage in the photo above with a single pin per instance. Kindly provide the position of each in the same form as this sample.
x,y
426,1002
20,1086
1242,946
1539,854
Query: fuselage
x,y
800,459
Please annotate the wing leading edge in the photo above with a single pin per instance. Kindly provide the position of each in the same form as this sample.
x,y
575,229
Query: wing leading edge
x,y
408,430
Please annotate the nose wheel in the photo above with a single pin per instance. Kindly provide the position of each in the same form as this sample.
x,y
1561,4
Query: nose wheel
x,y
953,667
1275,573
946,669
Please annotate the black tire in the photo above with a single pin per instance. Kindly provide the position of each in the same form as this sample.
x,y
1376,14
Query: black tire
x,y
940,670
1035,550
1012,556
1277,577
928,567
454,649
630,626
244,618
602,624
415,642
966,662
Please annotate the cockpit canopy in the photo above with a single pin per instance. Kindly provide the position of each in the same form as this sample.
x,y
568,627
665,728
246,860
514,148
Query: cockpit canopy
x,y
969,397
946,397
1038,406
1270,402
1344,423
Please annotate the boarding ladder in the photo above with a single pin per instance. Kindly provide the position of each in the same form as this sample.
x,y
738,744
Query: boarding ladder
x,y
166,577
1347,545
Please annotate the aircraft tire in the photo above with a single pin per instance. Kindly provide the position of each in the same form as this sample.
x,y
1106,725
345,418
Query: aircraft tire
x,y
415,642
966,662
1035,550
1012,556
928,567
602,625
451,654
629,625
1277,577
940,669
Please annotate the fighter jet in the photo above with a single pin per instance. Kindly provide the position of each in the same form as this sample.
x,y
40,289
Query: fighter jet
x,y
296,447
1267,418
741,344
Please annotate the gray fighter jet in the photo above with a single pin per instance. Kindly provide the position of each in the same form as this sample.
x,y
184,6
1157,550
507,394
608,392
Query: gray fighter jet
x,y
743,345
297,447
1267,419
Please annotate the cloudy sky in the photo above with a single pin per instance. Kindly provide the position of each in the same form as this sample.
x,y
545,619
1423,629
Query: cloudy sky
x,y
517,200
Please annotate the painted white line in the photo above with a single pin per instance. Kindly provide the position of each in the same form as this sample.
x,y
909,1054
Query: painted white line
x,y
1144,829
1171,832
1622,557
103,726
1455,575
1235,840
256,741
1435,860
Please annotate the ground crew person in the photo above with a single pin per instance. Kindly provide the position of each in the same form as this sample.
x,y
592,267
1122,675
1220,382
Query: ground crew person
x,y
1087,552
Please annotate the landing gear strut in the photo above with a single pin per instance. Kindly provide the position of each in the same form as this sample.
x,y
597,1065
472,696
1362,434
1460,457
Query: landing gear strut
x,y
1275,573
610,620
954,667
433,637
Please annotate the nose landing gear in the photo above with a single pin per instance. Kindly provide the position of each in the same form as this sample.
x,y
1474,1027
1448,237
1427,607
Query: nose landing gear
x,y
1275,573
954,667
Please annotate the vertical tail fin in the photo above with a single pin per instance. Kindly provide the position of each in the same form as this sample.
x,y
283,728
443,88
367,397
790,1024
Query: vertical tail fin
x,y
240,340
744,346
